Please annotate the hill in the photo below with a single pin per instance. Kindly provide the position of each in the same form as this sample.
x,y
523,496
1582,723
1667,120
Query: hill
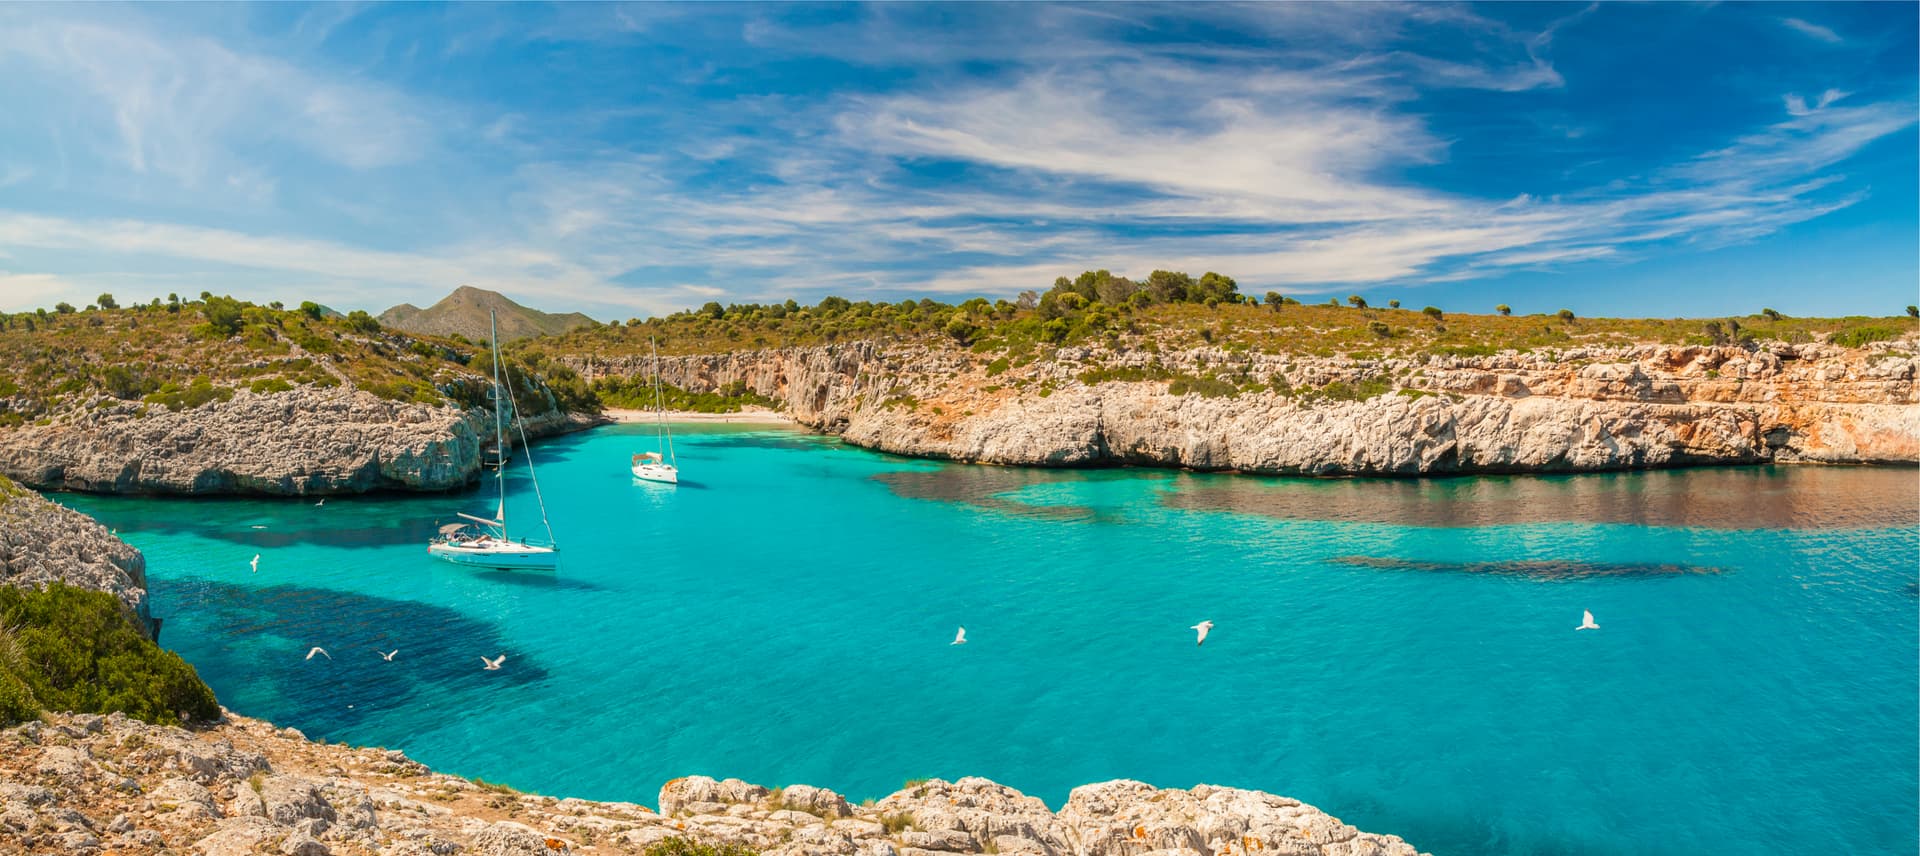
x,y
464,313
223,396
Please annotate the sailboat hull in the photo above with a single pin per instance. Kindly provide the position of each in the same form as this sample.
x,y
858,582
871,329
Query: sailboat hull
x,y
665,473
506,555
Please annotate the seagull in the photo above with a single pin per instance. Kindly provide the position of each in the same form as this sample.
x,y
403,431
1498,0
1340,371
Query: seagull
x,y
493,665
388,656
961,637
1586,621
255,564
319,650
323,501
1204,627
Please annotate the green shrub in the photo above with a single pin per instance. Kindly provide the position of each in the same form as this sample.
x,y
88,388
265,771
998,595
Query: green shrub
x,y
360,322
1860,336
127,383
682,847
997,366
72,649
224,314
269,385
1205,387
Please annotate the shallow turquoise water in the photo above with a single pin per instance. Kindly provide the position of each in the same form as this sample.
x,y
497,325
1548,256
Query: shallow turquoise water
x,y
1401,654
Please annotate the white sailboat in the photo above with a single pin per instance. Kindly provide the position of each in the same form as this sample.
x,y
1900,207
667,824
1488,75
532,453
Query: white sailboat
x,y
658,465
488,543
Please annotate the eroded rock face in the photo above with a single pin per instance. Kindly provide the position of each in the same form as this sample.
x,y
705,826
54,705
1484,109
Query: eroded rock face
x,y
305,441
42,541
285,795
1579,409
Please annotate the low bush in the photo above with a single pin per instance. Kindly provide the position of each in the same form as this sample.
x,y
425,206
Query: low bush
x,y
683,847
71,649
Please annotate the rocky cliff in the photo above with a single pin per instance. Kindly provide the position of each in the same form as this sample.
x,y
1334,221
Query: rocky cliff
x,y
80,784
306,441
1598,408
41,542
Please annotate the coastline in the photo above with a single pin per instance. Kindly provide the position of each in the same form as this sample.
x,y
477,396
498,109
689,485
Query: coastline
x,y
745,416
242,785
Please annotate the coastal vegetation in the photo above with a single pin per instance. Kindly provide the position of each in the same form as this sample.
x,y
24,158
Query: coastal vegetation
x,y
183,354
636,393
1174,310
71,649
677,846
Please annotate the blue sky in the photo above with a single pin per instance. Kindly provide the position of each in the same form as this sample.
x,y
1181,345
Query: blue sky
x,y
1647,159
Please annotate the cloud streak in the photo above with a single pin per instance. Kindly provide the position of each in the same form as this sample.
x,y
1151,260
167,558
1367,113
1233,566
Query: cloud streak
x,y
1812,30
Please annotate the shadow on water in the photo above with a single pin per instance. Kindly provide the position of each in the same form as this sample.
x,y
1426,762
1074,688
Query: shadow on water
x,y
1550,570
1786,497
986,487
253,642
534,579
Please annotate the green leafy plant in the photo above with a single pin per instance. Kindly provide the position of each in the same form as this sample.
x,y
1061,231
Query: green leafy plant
x,y
71,649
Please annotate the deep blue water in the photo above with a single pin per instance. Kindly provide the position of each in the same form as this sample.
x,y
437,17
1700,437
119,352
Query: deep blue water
x,y
1401,654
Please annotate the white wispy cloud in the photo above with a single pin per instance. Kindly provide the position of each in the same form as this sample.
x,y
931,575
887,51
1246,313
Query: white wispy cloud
x,y
192,109
1289,163
1812,30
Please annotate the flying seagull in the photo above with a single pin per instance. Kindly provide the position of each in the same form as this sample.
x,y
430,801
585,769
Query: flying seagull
x,y
255,564
1586,621
961,637
493,665
1204,627
388,656
323,501
319,650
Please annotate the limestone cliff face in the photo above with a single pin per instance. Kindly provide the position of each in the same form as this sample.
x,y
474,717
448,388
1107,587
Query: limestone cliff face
x,y
75,783
1578,409
42,542
301,442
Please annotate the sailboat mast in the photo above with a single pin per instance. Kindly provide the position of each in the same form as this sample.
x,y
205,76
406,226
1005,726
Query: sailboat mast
x,y
662,439
499,425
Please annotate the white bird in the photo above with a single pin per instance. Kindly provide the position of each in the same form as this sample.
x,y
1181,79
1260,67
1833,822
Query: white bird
x,y
961,637
493,665
323,501
255,564
1586,621
319,650
388,656
1204,627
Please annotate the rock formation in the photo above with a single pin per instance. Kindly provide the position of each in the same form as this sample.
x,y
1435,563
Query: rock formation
x,y
41,542
1597,408
81,784
306,441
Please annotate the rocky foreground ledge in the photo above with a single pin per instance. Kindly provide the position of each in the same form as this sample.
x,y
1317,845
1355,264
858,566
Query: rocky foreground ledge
x,y
84,784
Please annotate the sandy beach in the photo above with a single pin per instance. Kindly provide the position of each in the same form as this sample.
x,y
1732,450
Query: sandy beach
x,y
760,416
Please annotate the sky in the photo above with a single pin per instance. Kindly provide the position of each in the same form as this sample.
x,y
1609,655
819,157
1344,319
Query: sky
x,y
1639,160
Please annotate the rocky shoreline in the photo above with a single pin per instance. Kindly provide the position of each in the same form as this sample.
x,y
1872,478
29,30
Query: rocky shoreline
x,y
86,784
43,542
1579,409
304,442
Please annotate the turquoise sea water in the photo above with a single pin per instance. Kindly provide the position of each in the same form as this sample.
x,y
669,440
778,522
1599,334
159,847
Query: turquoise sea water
x,y
1401,654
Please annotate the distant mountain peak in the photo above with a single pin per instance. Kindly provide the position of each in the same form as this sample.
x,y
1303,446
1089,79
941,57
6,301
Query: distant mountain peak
x,y
465,312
